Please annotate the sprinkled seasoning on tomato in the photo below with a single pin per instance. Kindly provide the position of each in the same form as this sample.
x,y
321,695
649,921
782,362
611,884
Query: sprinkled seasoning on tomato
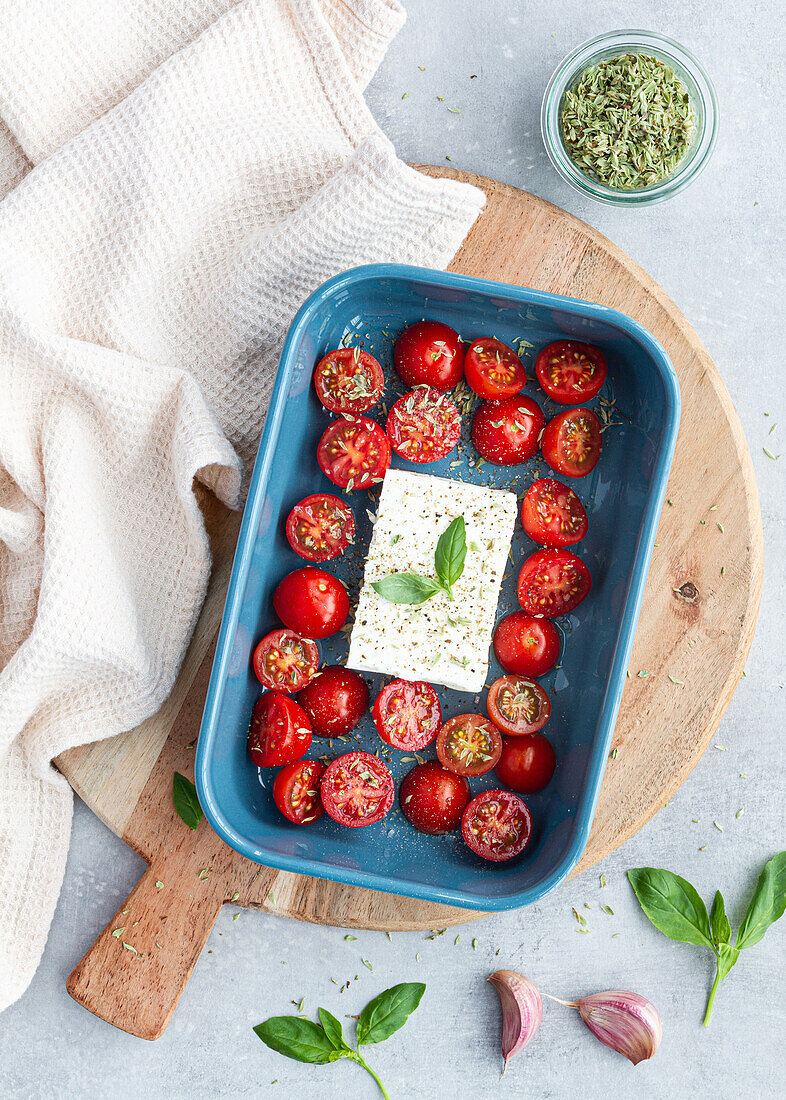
x,y
279,731
354,453
311,602
571,372
552,514
526,764
493,370
348,380
335,701
518,706
357,789
407,714
320,527
553,582
497,825
283,661
572,442
468,745
296,791
506,432
526,645
424,425
431,354
433,799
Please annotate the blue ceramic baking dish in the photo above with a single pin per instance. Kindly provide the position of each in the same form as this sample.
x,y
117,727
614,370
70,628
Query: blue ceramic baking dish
x,y
623,496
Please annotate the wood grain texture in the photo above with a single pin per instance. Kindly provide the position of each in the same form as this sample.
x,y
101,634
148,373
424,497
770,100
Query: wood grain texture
x,y
696,625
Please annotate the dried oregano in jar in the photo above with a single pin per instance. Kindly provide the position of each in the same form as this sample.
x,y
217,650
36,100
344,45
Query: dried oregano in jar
x,y
628,122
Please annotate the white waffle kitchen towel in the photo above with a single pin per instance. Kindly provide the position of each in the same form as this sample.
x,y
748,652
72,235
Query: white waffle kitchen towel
x,y
179,175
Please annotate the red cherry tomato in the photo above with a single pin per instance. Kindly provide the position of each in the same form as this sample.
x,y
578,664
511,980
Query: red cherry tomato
x,y
423,426
348,380
311,602
497,825
430,353
335,701
518,706
526,645
493,370
279,731
552,514
357,789
527,763
571,372
407,714
553,582
506,432
296,791
354,453
468,745
572,442
320,527
432,798
283,661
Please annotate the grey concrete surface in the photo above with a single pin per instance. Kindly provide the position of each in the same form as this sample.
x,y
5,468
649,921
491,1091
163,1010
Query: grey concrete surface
x,y
718,250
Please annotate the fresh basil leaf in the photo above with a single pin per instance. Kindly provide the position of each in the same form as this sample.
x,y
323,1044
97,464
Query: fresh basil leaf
x,y
406,588
302,1040
388,1012
451,552
719,922
727,957
184,796
672,904
333,1029
767,903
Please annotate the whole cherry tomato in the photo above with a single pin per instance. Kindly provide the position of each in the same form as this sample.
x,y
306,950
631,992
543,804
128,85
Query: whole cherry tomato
x,y
311,602
527,763
279,732
432,798
526,645
506,432
335,701
431,354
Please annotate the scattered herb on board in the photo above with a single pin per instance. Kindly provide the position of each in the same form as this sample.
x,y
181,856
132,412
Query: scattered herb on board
x,y
628,122
449,558
306,1041
186,802
677,910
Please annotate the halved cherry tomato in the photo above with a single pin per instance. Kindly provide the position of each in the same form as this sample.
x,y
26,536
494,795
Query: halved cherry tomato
x,y
553,582
430,353
320,527
283,661
432,798
572,442
571,372
348,380
506,432
527,763
335,701
357,789
468,745
296,791
407,714
497,825
493,370
552,514
423,426
518,706
279,731
526,645
311,602
354,453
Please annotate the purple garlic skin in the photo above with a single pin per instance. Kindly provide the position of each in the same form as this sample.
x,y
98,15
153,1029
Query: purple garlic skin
x,y
522,1010
626,1022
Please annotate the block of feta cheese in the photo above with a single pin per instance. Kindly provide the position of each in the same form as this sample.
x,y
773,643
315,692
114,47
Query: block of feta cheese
x,y
441,641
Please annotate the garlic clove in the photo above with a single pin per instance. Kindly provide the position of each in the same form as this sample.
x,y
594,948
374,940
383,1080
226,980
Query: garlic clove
x,y
626,1022
522,1010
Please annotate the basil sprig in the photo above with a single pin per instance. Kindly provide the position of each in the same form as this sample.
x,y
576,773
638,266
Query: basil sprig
x,y
184,796
318,1044
449,558
677,910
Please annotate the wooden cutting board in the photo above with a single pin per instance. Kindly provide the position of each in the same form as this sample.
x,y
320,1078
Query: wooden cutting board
x,y
697,624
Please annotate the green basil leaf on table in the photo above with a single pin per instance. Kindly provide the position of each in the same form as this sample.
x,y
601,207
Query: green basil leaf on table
x,y
451,553
388,1012
406,588
302,1040
719,922
672,904
333,1029
767,904
184,796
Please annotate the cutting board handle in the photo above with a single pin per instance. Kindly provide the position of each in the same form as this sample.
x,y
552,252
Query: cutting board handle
x,y
136,970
